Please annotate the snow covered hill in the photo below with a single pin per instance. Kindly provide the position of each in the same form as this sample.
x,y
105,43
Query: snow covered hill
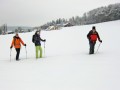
x,y
66,64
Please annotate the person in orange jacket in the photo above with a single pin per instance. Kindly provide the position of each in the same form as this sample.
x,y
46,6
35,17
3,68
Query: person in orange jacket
x,y
16,42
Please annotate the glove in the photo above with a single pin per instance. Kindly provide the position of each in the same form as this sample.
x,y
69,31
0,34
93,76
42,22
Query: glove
x,y
44,40
101,41
11,47
24,44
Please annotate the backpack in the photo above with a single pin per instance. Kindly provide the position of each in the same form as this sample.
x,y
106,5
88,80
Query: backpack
x,y
93,37
33,38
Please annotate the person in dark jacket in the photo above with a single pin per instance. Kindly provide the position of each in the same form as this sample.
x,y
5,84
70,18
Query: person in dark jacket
x,y
16,42
92,37
36,39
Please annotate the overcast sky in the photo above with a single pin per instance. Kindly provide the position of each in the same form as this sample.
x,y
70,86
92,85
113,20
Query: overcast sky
x,y
38,12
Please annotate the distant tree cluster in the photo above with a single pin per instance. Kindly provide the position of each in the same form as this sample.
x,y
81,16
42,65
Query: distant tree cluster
x,y
102,14
54,23
3,29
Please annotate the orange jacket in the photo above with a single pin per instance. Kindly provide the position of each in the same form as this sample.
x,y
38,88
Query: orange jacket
x,y
16,42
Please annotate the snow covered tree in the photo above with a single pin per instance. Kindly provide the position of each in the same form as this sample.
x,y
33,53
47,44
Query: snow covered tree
x,y
98,15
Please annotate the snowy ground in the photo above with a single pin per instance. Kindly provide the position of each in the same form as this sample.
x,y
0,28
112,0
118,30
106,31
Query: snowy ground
x,y
66,64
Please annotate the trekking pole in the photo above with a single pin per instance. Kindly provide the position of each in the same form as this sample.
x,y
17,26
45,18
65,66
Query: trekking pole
x,y
10,54
98,47
26,52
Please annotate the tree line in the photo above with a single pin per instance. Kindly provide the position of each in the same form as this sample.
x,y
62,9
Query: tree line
x,y
98,15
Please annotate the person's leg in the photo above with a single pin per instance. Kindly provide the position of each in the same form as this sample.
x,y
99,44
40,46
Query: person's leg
x,y
40,48
37,48
93,47
17,53
90,50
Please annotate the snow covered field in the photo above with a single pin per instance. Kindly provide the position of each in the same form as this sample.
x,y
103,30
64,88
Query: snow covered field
x,y
66,64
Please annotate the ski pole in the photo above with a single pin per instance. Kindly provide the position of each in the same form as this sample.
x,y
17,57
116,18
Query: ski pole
x,y
10,54
98,47
26,52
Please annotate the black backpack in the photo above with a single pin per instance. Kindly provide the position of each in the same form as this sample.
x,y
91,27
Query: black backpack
x,y
33,38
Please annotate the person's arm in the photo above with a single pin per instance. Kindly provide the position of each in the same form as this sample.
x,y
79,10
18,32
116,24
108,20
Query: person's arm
x,y
42,39
12,43
99,37
22,42
88,35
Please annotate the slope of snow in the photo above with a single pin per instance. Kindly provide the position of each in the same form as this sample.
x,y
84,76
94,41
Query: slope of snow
x,y
66,64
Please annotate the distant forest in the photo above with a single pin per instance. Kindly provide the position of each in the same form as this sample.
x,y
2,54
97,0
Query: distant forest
x,y
98,15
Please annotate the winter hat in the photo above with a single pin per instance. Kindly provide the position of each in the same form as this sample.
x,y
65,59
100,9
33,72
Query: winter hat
x,y
36,32
93,27
16,34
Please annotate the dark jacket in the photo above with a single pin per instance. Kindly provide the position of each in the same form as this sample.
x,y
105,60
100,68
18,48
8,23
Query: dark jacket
x,y
93,33
37,39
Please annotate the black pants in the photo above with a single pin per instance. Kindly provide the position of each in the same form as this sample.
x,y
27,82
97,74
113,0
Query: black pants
x,y
92,46
18,52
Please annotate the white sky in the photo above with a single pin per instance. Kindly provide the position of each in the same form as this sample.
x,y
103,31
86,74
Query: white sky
x,y
38,12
